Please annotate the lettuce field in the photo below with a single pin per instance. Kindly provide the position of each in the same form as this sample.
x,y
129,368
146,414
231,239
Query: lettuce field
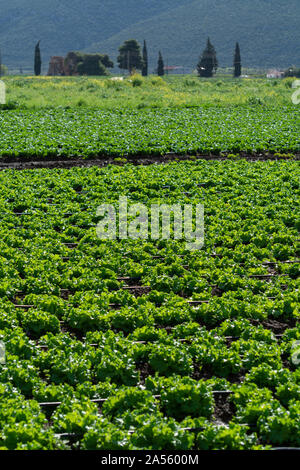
x,y
141,344
92,133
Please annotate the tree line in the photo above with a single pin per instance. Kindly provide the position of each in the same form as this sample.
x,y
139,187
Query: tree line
x,y
132,57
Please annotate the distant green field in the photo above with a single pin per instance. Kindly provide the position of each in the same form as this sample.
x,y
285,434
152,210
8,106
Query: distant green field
x,y
88,117
138,92
92,132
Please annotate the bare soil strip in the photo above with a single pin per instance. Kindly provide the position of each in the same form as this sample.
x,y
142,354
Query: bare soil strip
x,y
23,163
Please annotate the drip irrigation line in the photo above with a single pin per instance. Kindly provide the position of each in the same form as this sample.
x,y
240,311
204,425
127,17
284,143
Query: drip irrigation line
x,y
188,429
40,212
70,436
65,259
181,340
190,302
213,255
134,288
100,401
114,305
189,340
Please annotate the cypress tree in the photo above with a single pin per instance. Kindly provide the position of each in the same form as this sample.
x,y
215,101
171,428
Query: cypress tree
x,y
237,61
145,61
130,56
160,65
208,63
37,60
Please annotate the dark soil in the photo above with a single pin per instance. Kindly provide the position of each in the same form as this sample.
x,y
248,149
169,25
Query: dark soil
x,y
277,327
139,291
145,371
286,362
65,294
216,292
206,372
224,410
25,163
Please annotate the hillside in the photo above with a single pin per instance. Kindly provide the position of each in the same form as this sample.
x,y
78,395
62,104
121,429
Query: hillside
x,y
64,25
267,29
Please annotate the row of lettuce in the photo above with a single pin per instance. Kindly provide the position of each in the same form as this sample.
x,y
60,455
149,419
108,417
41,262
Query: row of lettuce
x,y
93,132
133,418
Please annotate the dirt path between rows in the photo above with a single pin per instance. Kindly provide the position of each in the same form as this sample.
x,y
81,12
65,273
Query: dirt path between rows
x,y
21,163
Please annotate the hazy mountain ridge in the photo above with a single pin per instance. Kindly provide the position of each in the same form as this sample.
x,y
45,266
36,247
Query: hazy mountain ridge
x,y
266,29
